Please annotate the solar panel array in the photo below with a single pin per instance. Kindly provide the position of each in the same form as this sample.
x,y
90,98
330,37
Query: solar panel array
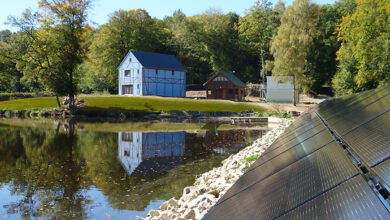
x,y
331,163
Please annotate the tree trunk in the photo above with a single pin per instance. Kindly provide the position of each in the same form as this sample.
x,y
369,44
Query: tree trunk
x,y
71,100
263,73
72,127
294,97
58,127
71,92
58,101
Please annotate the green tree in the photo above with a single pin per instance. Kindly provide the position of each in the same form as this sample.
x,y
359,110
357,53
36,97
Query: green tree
x,y
322,64
257,29
185,42
217,38
292,44
10,77
125,31
54,44
5,35
364,54
209,42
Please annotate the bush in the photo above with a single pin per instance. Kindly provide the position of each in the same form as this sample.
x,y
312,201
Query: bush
x,y
252,158
16,95
253,89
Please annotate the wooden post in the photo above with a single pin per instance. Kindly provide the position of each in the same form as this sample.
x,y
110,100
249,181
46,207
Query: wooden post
x,y
294,97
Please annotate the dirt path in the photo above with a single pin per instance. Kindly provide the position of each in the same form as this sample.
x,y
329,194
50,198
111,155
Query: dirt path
x,y
305,102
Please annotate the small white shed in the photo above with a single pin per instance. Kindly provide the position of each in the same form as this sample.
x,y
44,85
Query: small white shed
x,y
280,89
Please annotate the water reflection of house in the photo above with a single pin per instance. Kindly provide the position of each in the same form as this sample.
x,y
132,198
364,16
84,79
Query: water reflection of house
x,y
143,153
221,141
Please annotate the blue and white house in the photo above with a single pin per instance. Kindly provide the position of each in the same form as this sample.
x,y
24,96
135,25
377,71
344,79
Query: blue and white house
x,y
143,74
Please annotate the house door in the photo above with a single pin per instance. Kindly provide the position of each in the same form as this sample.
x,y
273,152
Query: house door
x,y
127,89
218,93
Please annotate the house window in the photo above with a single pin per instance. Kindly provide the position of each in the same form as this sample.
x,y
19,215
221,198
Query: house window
x,y
127,73
137,86
130,59
156,71
127,89
127,153
173,73
137,71
220,79
127,137
230,91
236,91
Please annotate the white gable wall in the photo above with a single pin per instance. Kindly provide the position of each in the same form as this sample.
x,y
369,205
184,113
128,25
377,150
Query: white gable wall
x,y
135,77
278,91
130,152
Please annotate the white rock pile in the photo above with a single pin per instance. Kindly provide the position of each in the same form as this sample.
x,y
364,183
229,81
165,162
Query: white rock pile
x,y
211,186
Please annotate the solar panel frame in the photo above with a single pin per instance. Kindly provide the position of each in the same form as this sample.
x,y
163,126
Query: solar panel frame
x,y
273,166
306,166
288,188
358,106
298,131
383,171
350,103
352,199
322,135
371,141
303,120
357,118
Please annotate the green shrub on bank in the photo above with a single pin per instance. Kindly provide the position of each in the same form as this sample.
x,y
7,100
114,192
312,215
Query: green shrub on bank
x,y
274,114
250,159
16,95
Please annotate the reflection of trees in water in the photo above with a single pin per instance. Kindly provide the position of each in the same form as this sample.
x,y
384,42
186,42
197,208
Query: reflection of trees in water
x,y
52,170
45,169
224,139
227,140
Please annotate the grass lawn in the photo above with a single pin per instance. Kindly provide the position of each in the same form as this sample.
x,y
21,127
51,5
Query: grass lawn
x,y
29,103
148,104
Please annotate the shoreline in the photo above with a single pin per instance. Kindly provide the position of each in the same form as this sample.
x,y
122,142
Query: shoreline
x,y
57,113
141,116
209,187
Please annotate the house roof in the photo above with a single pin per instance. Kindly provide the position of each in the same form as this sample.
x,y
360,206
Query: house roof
x,y
156,165
158,61
233,78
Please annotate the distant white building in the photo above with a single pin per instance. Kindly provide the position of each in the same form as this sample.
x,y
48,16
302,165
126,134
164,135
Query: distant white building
x,y
144,74
280,90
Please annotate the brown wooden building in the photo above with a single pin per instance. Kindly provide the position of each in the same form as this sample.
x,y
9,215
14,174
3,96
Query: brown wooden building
x,y
225,85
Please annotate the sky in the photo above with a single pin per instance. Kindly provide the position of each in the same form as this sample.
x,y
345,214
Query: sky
x,y
101,9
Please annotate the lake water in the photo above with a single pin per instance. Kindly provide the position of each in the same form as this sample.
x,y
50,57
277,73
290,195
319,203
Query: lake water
x,y
73,172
